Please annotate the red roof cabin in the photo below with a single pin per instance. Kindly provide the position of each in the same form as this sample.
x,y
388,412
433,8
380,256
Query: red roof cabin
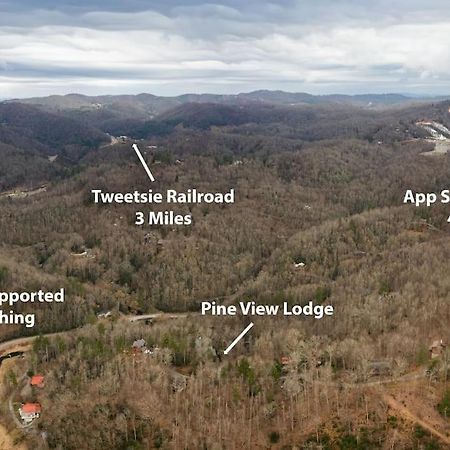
x,y
29,411
31,408
38,381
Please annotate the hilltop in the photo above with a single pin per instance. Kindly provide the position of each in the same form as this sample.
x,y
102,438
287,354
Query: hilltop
x,y
146,105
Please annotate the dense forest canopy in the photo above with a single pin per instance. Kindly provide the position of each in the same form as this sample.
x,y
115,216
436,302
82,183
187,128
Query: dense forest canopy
x,y
319,215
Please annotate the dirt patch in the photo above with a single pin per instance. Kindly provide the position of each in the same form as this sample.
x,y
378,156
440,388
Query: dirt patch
x,y
416,403
7,441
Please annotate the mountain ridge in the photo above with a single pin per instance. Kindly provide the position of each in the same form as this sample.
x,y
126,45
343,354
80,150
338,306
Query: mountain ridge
x,y
153,104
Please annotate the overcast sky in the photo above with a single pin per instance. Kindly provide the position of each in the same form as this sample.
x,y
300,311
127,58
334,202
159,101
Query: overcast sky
x,y
170,47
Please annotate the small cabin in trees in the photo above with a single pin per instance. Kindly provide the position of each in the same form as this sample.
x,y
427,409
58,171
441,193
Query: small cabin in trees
x,y
37,381
380,368
437,348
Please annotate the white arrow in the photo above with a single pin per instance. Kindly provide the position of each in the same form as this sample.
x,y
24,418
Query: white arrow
x,y
238,338
141,158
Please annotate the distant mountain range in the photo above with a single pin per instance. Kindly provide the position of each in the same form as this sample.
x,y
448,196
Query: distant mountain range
x,y
147,106
58,132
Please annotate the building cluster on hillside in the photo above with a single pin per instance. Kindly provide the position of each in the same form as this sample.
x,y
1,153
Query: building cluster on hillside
x,y
31,411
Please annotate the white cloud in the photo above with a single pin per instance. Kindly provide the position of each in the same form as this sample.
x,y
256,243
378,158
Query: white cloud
x,y
337,46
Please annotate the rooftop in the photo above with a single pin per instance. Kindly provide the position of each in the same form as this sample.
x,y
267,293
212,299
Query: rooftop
x,y
31,408
37,380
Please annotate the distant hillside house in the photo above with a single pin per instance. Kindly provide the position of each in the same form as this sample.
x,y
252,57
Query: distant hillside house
x,y
29,411
37,381
139,346
436,349
380,368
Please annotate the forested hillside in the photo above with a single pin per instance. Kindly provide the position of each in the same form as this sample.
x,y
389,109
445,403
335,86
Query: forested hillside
x,y
319,215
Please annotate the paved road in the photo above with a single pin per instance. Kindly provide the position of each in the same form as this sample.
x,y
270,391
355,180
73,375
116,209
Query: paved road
x,y
156,316
24,343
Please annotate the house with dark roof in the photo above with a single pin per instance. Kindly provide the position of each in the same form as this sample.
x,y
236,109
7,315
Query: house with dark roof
x,y
379,368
